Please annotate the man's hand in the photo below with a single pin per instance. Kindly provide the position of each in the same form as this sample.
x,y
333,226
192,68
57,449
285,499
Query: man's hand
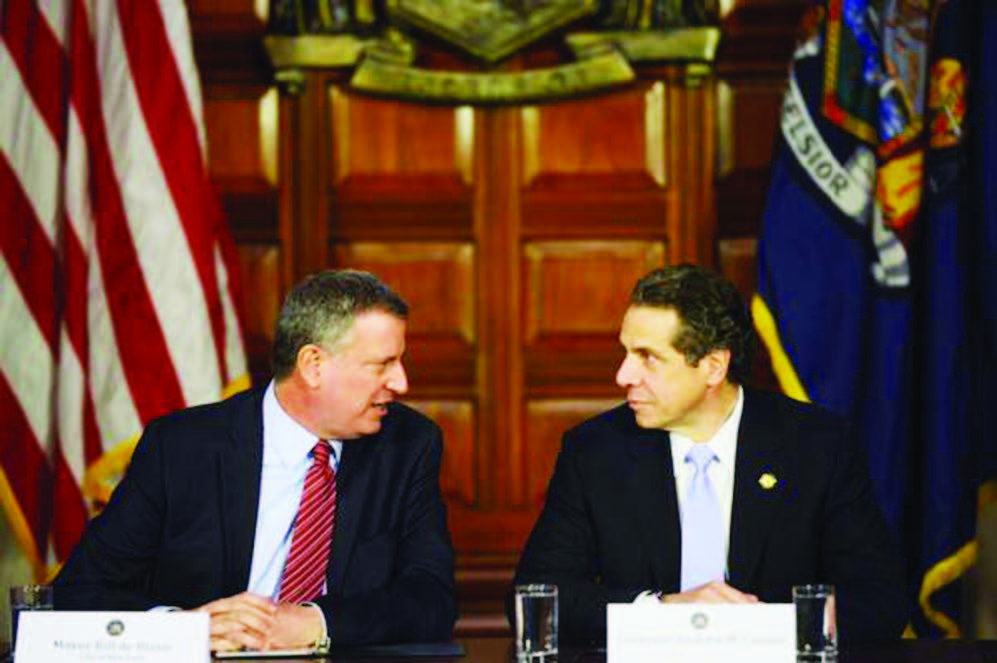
x,y
241,621
295,626
715,592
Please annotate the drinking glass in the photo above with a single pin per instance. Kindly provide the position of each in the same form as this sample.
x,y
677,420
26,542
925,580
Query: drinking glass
x,y
816,627
536,622
27,597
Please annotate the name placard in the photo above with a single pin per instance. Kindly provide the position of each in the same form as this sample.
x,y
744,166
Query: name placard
x,y
700,633
113,637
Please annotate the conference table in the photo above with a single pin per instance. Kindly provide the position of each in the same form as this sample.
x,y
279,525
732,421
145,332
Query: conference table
x,y
500,650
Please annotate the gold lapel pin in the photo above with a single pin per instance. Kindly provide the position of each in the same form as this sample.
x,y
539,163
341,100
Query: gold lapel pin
x,y
767,481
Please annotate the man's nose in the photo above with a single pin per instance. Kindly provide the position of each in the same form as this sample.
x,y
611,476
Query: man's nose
x,y
398,381
625,374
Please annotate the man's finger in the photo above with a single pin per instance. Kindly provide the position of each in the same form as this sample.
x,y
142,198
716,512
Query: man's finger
x,y
246,620
227,631
732,595
245,601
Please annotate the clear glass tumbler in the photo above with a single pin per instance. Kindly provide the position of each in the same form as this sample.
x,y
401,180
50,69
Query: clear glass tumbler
x,y
816,625
536,621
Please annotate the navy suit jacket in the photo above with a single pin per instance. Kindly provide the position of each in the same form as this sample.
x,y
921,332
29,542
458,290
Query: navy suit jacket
x,y
610,525
179,529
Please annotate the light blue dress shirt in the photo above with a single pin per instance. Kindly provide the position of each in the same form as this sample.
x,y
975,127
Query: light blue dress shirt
x,y
287,449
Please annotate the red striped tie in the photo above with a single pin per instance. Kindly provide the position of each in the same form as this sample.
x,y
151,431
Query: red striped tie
x,y
311,540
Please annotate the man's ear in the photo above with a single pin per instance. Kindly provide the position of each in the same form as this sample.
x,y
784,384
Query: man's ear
x,y
309,364
717,363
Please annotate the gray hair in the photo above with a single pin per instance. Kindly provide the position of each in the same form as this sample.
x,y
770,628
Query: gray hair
x,y
320,310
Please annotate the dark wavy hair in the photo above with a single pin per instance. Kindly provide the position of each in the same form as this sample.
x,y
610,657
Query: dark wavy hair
x,y
712,313
320,310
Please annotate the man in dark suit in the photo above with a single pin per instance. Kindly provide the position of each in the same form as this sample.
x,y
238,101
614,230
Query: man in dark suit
x,y
207,516
699,489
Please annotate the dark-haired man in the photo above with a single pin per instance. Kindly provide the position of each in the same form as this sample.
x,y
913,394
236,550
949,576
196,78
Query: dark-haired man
x,y
700,489
304,511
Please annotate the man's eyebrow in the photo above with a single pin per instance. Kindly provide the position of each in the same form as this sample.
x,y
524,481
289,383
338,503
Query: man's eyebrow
x,y
640,349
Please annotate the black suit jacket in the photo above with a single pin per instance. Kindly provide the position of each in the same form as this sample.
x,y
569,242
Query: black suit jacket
x,y
180,527
610,526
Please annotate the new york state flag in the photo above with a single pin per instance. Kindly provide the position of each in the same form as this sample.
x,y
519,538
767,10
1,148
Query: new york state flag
x,y
877,288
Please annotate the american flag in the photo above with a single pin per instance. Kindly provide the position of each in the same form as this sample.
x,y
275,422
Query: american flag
x,y
117,293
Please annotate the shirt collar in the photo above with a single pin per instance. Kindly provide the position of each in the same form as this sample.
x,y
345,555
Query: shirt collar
x,y
295,441
723,442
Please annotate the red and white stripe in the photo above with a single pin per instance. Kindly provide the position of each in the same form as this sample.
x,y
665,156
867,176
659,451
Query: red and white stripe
x,y
117,299
303,577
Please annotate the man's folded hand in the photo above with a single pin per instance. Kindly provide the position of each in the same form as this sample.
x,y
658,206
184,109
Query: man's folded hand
x,y
714,592
243,621
295,626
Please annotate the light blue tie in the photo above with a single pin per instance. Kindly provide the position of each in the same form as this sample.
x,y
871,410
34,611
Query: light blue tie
x,y
702,525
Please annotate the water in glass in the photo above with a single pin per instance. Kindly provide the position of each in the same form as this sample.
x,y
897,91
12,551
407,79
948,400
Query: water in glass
x,y
536,621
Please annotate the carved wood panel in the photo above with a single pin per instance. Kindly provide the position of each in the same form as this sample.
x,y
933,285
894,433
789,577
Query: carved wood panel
x,y
437,279
547,419
375,139
748,116
458,476
574,295
580,288
611,141
398,170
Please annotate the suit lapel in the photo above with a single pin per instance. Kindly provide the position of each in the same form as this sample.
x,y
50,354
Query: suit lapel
x,y
761,474
239,479
653,499
352,483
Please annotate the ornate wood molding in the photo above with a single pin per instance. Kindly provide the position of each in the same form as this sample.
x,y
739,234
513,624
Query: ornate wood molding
x,y
382,57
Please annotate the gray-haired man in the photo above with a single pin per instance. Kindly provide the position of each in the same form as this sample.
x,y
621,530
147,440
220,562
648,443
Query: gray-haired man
x,y
303,511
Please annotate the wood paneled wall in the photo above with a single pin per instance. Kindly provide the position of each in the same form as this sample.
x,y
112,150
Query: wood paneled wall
x,y
514,232
758,42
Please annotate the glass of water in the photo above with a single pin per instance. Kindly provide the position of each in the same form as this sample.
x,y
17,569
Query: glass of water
x,y
27,597
816,625
536,621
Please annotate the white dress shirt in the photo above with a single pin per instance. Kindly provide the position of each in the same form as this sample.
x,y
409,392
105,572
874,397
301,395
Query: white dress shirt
x,y
286,448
